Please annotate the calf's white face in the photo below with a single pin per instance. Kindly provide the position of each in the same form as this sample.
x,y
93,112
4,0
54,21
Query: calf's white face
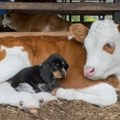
x,y
103,50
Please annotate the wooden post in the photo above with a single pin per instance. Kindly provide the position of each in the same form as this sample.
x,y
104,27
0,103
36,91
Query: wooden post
x,y
117,14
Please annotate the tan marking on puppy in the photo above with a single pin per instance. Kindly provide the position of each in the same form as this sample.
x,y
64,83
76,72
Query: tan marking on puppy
x,y
109,47
57,74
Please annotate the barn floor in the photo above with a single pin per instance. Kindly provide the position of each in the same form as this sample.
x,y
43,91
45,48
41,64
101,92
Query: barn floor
x,y
68,110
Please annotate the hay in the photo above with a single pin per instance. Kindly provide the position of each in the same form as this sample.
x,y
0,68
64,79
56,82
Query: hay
x,y
68,110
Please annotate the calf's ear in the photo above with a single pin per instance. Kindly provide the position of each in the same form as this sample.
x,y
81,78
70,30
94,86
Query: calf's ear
x,y
79,31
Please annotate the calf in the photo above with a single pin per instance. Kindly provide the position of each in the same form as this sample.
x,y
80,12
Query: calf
x,y
20,52
34,22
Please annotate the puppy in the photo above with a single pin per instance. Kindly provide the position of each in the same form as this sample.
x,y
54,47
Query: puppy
x,y
42,77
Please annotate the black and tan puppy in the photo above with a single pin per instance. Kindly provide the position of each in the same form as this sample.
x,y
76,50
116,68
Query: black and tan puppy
x,y
42,77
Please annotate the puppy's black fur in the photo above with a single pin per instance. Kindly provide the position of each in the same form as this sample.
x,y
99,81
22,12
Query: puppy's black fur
x,y
47,73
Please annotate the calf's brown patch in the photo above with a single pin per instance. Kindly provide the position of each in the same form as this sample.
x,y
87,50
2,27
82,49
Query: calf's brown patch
x,y
109,48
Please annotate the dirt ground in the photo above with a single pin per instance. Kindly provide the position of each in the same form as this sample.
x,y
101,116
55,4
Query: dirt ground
x,y
68,110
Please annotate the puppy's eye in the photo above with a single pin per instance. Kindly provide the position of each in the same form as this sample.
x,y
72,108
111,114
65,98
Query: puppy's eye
x,y
54,66
57,64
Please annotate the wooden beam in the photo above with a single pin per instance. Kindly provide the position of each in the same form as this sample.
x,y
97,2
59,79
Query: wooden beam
x,y
17,34
71,8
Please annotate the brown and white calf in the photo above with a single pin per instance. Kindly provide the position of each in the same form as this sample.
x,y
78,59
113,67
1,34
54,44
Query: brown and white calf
x,y
20,52
34,22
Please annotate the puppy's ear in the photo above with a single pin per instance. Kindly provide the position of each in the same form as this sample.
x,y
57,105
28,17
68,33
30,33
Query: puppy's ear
x,y
79,31
46,73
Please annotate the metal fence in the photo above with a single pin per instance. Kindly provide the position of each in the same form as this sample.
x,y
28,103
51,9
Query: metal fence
x,y
84,11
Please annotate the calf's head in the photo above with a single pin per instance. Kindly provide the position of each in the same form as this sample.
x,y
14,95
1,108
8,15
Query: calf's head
x,y
103,50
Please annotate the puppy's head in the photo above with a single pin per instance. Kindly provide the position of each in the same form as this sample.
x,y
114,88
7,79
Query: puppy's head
x,y
58,65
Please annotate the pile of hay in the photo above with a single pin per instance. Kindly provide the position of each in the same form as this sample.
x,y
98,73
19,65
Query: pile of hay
x,y
68,110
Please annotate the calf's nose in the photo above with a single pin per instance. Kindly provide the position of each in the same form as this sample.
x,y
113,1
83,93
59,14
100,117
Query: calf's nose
x,y
89,71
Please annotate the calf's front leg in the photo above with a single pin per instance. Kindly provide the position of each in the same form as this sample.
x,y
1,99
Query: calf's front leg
x,y
101,94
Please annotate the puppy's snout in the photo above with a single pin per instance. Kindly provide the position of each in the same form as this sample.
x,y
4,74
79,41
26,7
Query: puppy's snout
x,y
60,74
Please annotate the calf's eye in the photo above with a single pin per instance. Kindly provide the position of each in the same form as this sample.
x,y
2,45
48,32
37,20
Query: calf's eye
x,y
109,47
